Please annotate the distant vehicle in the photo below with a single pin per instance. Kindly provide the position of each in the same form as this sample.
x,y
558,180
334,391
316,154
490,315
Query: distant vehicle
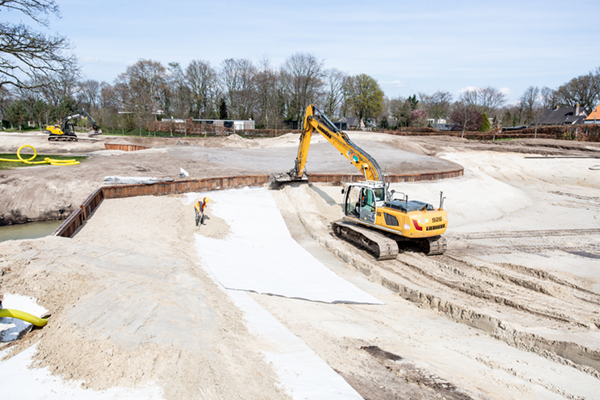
x,y
65,132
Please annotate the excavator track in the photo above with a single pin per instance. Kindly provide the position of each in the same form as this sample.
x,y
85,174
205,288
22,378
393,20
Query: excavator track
x,y
434,246
62,138
380,246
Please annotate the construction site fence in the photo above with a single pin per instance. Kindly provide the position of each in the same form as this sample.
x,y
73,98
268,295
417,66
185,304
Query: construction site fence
x,y
584,132
270,132
78,218
195,129
188,128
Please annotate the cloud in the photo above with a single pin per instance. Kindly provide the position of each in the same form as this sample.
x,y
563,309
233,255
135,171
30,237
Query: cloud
x,y
506,91
467,89
394,83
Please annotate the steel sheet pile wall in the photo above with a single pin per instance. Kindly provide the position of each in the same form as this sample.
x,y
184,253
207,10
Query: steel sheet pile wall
x,y
344,178
124,147
70,226
185,186
79,216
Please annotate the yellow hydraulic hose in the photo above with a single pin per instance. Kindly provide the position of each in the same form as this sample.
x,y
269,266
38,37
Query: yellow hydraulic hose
x,y
45,161
32,319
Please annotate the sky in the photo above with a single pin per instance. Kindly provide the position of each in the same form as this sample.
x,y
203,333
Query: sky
x,y
408,46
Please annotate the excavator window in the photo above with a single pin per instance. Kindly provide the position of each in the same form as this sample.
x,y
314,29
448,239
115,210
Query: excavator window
x,y
353,201
368,199
379,194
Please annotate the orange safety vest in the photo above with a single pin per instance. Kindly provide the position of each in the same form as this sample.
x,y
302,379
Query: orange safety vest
x,y
200,207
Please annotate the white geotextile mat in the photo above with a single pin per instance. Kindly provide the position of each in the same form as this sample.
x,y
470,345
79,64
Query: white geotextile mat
x,y
302,373
260,255
19,381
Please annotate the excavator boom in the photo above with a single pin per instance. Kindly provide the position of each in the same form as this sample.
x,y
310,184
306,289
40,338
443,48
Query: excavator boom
x,y
315,120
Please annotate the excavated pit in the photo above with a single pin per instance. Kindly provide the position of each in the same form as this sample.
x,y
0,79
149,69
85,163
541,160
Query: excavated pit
x,y
520,276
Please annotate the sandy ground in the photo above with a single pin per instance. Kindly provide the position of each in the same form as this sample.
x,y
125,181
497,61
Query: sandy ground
x,y
510,311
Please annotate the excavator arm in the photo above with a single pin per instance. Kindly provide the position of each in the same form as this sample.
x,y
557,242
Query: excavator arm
x,y
78,114
315,120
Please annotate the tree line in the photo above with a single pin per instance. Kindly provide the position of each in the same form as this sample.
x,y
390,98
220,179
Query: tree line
x,y
41,82
236,89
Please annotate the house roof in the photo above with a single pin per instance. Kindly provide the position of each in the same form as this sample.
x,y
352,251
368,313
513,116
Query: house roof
x,y
562,116
351,121
594,115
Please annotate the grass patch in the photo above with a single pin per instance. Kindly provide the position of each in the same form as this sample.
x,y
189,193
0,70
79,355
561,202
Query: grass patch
x,y
40,157
23,129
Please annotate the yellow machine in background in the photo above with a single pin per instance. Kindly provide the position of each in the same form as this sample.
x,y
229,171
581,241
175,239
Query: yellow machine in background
x,y
66,132
374,218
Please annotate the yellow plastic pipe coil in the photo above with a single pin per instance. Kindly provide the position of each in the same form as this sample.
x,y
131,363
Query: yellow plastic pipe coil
x,y
45,161
32,319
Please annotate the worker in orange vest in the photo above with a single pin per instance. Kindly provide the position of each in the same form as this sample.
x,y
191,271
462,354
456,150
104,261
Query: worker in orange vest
x,y
199,208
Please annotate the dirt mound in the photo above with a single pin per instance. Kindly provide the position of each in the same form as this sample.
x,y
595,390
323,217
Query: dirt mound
x,y
130,305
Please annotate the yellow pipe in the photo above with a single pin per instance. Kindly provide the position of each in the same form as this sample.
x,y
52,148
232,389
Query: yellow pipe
x,y
46,160
32,319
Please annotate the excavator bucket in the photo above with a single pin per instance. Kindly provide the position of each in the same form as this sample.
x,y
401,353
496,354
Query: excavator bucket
x,y
276,181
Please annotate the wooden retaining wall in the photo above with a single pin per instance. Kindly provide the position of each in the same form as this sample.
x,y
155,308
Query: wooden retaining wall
x,y
77,219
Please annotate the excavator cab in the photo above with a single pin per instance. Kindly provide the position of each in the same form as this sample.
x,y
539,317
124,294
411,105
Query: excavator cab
x,y
362,201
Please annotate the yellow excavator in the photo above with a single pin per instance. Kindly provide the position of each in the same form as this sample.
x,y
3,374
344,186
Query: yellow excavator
x,y
65,132
375,219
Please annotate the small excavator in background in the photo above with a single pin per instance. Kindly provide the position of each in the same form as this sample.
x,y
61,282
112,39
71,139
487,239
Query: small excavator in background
x,y
66,132
375,219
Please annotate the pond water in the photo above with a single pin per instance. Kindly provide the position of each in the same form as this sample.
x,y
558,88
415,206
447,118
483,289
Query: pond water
x,y
30,230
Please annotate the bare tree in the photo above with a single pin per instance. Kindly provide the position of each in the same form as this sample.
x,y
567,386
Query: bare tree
x,y
56,86
530,103
466,115
490,99
334,91
179,100
141,89
267,89
487,99
5,99
237,76
469,98
302,75
26,54
583,90
108,97
548,97
438,105
203,84
88,94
